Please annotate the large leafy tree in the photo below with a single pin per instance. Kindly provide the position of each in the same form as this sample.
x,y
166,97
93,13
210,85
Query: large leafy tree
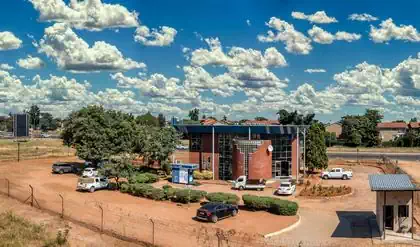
x,y
316,150
194,114
34,116
98,134
47,122
147,119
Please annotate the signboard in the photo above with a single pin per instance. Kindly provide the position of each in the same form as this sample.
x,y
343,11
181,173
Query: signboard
x,y
183,176
21,125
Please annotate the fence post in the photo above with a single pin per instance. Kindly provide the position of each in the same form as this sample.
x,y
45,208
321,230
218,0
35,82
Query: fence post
x,y
32,198
8,187
153,231
18,151
62,205
102,217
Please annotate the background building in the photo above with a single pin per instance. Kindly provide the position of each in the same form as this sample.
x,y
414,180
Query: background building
x,y
390,130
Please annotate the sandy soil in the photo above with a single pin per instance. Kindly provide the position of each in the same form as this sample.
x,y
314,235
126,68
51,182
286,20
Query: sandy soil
x,y
129,215
79,236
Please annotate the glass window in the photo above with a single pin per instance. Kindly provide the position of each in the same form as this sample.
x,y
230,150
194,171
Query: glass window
x,y
240,180
195,142
403,211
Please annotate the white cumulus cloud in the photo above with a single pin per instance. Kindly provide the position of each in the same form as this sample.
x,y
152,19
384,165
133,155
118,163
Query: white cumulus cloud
x,y
310,71
92,15
319,17
321,36
295,41
362,17
30,63
5,66
8,41
163,37
388,31
72,53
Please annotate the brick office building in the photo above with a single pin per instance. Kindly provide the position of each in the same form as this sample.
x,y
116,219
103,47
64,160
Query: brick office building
x,y
257,151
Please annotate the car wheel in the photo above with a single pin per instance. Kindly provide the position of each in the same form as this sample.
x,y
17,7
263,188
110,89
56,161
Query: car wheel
x,y
214,219
241,187
234,212
92,189
325,177
61,172
344,177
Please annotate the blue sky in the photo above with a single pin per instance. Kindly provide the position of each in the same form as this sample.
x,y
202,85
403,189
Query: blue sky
x,y
158,58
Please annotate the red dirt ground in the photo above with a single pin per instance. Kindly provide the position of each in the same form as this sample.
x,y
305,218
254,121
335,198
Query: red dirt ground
x,y
129,215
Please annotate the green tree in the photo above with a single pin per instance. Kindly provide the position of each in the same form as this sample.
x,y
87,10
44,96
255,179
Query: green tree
x,y
224,118
147,119
47,122
204,116
194,114
119,167
261,119
286,118
34,116
316,150
98,134
399,121
413,120
162,120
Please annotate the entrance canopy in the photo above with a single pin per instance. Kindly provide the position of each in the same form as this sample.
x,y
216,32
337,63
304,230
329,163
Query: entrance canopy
x,y
240,129
391,182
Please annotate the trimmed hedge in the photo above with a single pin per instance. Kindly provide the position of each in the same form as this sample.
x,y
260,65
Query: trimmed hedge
x,y
125,188
273,205
143,178
223,197
186,195
205,175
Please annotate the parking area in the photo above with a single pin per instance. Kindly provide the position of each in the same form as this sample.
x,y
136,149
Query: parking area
x,y
321,219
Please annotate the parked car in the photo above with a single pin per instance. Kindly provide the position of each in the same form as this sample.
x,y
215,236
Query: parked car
x,y
215,211
242,183
90,172
44,135
62,168
181,147
92,183
337,173
285,188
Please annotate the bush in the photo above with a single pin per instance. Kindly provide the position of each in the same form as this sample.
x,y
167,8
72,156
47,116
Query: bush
x,y
166,186
324,191
222,197
186,195
273,205
205,175
170,193
158,194
125,188
283,207
143,178
144,190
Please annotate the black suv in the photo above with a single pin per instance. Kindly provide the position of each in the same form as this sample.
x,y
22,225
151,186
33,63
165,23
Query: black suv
x,y
214,211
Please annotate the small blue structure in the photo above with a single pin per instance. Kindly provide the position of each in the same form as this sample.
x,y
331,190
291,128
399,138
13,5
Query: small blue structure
x,y
183,173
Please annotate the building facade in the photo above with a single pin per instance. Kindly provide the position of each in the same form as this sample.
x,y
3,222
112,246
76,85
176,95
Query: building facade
x,y
270,151
388,131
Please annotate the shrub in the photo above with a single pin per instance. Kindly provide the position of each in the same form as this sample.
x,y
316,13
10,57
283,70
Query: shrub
x,y
222,197
273,205
125,188
143,178
170,193
205,175
324,191
158,194
283,207
186,195
144,190
166,186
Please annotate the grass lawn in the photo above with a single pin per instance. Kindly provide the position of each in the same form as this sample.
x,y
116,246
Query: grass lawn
x,y
374,149
17,231
34,148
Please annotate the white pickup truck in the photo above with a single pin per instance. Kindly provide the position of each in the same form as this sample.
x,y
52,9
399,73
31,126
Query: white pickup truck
x,y
92,183
242,183
337,173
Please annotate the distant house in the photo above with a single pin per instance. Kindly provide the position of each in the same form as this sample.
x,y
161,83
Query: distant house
x,y
334,128
390,130
261,122
414,125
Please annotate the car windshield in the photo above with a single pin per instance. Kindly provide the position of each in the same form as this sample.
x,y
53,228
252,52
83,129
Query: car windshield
x,y
86,180
284,185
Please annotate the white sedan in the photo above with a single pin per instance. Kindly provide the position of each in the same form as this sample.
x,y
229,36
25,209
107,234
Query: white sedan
x,y
285,188
90,172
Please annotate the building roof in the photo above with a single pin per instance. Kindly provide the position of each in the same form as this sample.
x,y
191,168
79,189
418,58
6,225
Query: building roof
x,y
239,129
414,125
208,121
392,125
390,182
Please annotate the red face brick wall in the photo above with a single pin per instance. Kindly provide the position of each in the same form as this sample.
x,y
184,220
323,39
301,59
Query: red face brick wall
x,y
205,155
238,162
260,162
